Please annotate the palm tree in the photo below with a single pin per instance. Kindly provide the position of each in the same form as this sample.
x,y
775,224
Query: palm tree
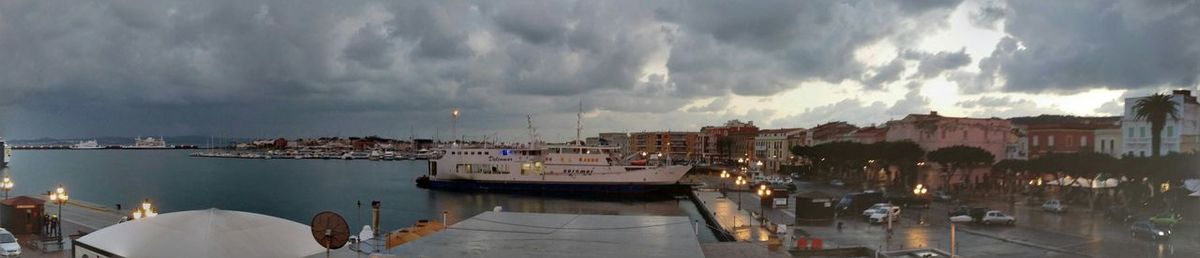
x,y
1155,109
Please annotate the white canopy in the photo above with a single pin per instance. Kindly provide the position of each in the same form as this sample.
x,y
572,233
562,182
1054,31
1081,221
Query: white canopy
x,y
206,233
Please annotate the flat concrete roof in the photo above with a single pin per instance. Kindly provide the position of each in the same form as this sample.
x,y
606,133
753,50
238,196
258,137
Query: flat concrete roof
x,y
513,234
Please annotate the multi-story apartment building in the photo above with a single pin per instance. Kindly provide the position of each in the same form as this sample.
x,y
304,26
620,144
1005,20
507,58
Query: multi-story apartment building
x,y
619,140
933,132
829,132
710,136
772,148
1049,134
1109,141
676,145
1179,135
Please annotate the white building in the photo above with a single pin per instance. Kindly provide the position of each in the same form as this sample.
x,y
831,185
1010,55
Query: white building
x,y
1109,141
772,148
1137,133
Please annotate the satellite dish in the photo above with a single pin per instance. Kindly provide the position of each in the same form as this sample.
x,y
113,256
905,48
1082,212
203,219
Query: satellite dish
x,y
330,230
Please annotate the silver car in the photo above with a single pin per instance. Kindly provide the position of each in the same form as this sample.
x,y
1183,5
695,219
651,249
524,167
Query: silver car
x,y
9,246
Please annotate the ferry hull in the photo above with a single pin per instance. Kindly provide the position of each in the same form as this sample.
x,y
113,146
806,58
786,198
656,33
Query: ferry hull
x,y
474,185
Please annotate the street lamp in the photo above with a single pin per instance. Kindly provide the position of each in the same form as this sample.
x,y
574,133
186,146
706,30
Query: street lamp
x,y
763,192
60,197
7,185
146,211
724,175
740,181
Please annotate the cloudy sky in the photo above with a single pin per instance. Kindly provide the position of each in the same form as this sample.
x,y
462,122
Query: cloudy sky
x,y
395,68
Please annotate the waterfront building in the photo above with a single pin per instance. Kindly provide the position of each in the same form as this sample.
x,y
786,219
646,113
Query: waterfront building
x,y
829,132
932,131
1109,141
771,147
1017,144
619,140
679,145
710,137
1050,134
1179,135
742,145
868,135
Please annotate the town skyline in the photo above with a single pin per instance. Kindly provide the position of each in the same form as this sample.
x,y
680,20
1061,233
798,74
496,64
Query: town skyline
x,y
363,68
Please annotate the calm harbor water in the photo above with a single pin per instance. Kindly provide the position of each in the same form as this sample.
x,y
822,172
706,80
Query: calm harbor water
x,y
291,189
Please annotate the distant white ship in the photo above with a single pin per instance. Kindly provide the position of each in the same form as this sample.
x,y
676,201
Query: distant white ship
x,y
5,152
148,143
87,145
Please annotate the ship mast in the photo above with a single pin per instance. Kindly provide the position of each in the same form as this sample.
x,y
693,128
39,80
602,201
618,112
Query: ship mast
x,y
532,132
579,124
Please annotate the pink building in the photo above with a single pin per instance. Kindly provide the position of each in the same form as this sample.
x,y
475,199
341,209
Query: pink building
x,y
933,132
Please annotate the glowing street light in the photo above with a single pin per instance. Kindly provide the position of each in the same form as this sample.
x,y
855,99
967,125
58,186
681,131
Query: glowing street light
x,y
60,197
739,182
7,185
920,190
146,211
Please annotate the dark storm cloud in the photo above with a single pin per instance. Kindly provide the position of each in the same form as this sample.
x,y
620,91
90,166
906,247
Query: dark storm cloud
x,y
377,67
933,65
987,15
1068,46
775,44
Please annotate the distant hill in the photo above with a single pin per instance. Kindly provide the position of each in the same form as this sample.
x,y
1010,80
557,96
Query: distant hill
x,y
198,140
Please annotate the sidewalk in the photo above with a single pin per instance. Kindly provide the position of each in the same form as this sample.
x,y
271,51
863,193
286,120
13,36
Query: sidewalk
x,y
731,218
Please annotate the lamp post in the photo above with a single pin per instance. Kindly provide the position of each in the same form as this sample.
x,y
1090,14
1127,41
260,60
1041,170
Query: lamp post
x,y
724,175
7,185
763,192
145,211
59,196
740,181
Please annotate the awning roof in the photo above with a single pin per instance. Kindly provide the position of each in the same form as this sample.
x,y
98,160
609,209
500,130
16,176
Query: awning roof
x,y
22,200
206,233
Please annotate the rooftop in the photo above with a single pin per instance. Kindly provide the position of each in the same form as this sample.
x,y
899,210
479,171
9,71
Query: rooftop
x,y
511,234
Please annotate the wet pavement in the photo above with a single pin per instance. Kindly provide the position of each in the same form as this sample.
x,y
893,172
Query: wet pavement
x,y
77,217
1076,233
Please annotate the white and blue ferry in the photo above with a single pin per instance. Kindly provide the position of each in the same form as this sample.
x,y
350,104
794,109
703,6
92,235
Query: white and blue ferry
x,y
566,168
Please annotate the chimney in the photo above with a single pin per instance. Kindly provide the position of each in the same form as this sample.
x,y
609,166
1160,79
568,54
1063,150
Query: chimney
x,y
375,217
933,113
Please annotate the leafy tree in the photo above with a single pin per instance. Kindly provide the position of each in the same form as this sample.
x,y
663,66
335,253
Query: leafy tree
x,y
960,158
1155,109
900,154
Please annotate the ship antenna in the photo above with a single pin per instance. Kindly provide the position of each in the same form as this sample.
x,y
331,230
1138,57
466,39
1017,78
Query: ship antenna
x,y
579,124
454,128
532,132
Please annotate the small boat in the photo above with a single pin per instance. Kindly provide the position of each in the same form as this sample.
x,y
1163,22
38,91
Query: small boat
x,y
389,155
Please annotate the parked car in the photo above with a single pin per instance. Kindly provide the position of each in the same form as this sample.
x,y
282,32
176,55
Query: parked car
x,y
882,215
1118,213
9,246
996,217
942,196
837,183
961,219
867,213
1054,206
1168,219
1146,228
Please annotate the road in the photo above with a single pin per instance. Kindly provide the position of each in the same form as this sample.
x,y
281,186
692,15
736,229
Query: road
x,y
1077,233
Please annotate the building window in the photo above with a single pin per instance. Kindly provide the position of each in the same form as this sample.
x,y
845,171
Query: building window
x,y
1142,132
1083,141
1050,141
1170,131
1035,140
1130,132
1102,146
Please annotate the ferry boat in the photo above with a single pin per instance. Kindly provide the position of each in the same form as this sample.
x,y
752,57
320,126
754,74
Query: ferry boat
x,y
567,168
148,143
5,153
87,145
